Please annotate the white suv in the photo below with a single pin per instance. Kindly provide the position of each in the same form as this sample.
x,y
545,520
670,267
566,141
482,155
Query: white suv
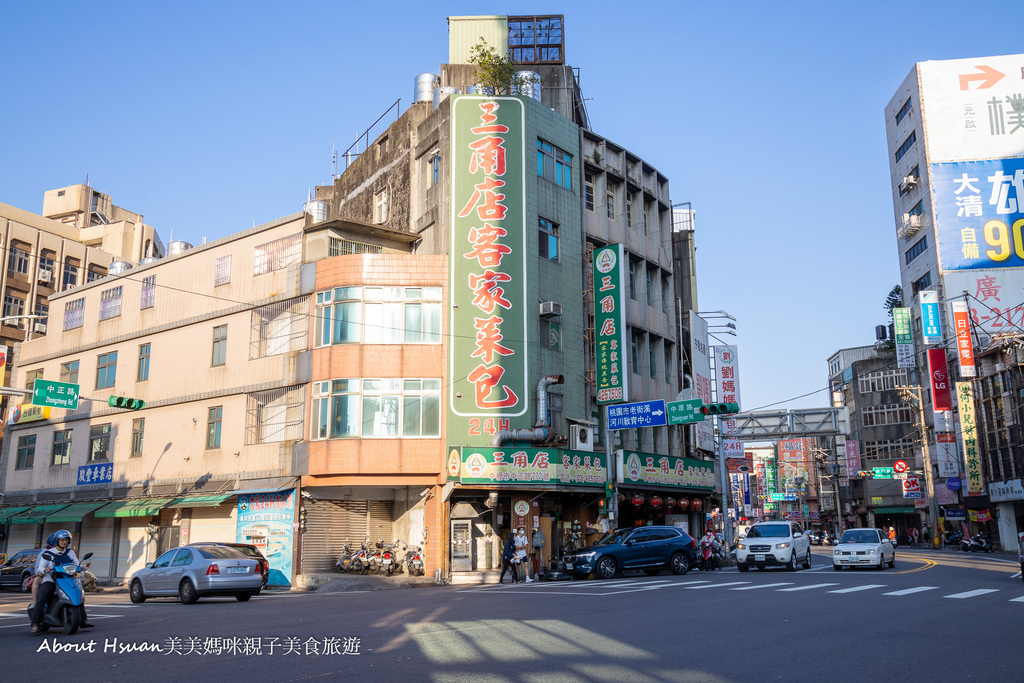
x,y
774,544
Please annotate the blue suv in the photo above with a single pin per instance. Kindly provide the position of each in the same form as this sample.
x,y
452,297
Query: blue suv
x,y
650,548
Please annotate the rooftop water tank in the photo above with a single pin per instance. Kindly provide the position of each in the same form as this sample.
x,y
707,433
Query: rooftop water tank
x,y
316,208
118,267
148,260
442,94
178,247
532,86
424,88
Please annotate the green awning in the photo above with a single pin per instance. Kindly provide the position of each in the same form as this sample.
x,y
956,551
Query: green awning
x,y
209,501
37,514
73,513
133,508
10,512
894,511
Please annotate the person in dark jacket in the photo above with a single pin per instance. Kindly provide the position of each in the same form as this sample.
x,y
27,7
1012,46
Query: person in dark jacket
x,y
507,553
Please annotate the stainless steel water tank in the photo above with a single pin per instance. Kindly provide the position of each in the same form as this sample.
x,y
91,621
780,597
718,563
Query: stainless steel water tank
x,y
423,91
317,209
531,88
442,94
178,247
148,260
118,267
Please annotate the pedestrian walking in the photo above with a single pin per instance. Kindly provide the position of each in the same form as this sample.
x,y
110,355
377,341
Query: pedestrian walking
x,y
508,552
913,534
521,545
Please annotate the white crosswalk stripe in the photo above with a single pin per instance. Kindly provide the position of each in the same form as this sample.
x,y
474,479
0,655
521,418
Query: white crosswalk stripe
x,y
718,585
763,585
807,588
1020,599
971,594
908,591
859,588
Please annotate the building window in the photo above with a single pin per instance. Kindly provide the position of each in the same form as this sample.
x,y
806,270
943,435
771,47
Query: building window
x,y
894,414
30,378
222,271
883,380
668,362
14,306
634,351
378,315
666,294
609,206
588,190
69,372
42,309
923,282
888,451
918,209
220,345
435,169
378,408
650,287
646,219
629,210
138,430
904,110
144,350
632,279
341,247
99,442
94,273
551,334
46,269
380,206
554,164
650,355
907,144
17,262
110,303
148,292
535,39
74,314
915,173
26,452
213,422
917,249
70,278
61,448
106,370
548,239
276,255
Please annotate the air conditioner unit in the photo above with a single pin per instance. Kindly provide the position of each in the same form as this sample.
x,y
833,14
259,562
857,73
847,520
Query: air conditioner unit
x,y
45,275
910,181
581,438
550,309
39,328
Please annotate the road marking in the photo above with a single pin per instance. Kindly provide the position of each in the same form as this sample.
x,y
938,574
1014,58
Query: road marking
x,y
928,564
716,585
763,585
1020,599
908,591
860,588
807,588
665,585
55,630
971,594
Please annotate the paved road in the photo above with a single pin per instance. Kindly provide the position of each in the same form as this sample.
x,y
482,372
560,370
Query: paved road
x,y
810,625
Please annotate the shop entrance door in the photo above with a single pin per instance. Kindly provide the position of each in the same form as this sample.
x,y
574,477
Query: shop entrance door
x,y
462,545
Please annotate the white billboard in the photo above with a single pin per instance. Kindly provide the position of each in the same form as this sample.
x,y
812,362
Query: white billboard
x,y
972,108
995,297
700,367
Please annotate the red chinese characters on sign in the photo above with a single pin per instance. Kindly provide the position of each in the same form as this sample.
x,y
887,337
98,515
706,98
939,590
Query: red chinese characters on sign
x,y
964,348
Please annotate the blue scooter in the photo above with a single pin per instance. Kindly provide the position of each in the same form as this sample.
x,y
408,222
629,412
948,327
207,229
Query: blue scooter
x,y
64,609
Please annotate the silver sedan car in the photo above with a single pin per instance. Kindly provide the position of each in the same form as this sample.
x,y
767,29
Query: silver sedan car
x,y
863,548
194,572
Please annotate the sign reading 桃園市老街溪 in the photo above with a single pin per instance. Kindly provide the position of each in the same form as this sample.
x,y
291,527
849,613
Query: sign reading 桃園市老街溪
x,y
610,324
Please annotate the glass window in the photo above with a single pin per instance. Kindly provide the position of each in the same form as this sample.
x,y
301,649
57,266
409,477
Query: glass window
x,y
138,430
165,559
95,273
14,306
609,204
30,378
548,239
629,209
379,408
907,144
148,292
99,442
110,303
380,207
70,278
144,350
106,370
62,447
379,315
69,372
220,345
214,416
17,262
435,170
632,279
183,558
650,355
904,110
650,287
74,314
26,451
588,190
634,351
554,164
222,271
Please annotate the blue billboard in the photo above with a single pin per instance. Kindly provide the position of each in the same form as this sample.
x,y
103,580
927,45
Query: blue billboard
x,y
267,521
979,213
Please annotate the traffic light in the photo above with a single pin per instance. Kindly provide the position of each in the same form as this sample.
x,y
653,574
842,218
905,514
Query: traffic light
x,y
865,473
720,408
126,403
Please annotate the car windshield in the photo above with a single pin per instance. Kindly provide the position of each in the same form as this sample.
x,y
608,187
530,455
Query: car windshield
x,y
221,552
860,536
769,531
614,537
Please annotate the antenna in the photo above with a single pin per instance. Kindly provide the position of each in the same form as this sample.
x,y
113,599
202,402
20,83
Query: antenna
x,y
334,160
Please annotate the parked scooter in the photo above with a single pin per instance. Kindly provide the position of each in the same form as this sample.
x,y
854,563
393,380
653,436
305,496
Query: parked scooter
x,y
414,560
349,561
64,609
951,537
388,560
981,543
89,584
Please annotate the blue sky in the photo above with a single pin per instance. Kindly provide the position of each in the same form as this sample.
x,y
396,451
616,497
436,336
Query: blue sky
x,y
208,117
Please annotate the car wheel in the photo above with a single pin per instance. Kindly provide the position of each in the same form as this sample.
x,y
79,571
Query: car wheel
x,y
651,572
892,562
136,592
881,562
26,586
187,592
605,568
837,567
680,564
807,562
791,565
243,597
742,567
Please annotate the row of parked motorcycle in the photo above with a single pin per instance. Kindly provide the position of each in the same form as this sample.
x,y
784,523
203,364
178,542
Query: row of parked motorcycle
x,y
978,543
381,558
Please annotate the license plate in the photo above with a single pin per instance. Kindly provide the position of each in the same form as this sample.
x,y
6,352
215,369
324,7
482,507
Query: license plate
x,y
237,570
387,562
758,558
568,566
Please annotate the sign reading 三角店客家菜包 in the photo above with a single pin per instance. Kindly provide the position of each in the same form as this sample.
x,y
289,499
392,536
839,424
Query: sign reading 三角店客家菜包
x,y
610,324
664,470
526,466
488,354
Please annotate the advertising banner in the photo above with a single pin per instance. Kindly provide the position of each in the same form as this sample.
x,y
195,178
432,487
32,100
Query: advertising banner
x,y
964,347
727,374
1000,491
852,457
793,467
904,338
996,298
489,315
526,466
664,470
941,398
911,486
930,317
700,365
610,344
267,521
943,496
969,438
945,454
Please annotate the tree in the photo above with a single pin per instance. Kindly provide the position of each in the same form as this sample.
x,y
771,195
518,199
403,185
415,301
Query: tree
x,y
495,72
894,300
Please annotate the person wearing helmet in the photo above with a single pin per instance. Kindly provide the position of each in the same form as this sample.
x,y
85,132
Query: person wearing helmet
x,y
60,554
50,542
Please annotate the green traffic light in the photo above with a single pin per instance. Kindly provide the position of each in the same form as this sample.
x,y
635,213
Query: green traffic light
x,y
126,403
720,408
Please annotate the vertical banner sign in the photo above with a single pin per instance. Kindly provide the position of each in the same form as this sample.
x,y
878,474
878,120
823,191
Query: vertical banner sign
x,y
844,477
945,454
962,326
610,324
930,317
267,521
941,399
700,368
904,338
852,456
488,264
969,438
769,479
727,374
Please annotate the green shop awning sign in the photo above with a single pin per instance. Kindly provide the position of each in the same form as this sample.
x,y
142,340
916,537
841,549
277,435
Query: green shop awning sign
x,y
664,470
526,466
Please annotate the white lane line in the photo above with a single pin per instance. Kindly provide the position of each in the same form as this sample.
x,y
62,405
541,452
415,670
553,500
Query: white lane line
x,y
719,585
972,594
565,584
908,591
865,587
25,624
807,588
763,585
651,588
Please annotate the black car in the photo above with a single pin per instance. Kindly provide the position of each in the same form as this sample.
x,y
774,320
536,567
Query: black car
x,y
814,537
250,551
15,572
650,548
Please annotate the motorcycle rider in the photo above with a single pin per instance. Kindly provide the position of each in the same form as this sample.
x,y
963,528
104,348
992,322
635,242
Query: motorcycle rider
x,y
59,555
707,546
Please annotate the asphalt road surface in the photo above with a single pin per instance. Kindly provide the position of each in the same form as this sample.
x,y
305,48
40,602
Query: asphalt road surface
x,y
938,616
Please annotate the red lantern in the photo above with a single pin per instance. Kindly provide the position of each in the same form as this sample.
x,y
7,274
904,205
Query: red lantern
x,y
670,502
683,503
656,501
696,504
638,500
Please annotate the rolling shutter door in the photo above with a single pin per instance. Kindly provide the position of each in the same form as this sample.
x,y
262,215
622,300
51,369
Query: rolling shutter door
x,y
330,524
380,520
21,537
214,523
97,534
133,550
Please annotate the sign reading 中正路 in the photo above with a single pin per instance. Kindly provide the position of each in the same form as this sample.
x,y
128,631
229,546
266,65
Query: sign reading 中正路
x,y
56,394
99,473
639,414
685,412
610,324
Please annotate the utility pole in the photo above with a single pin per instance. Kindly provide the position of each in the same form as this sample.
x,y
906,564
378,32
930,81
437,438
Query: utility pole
x,y
929,479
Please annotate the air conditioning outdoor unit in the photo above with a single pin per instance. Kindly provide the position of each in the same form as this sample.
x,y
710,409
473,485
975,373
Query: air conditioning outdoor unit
x,y
910,181
45,275
39,328
581,438
550,309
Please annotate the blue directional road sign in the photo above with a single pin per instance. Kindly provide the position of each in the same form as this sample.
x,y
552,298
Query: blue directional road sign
x,y
639,414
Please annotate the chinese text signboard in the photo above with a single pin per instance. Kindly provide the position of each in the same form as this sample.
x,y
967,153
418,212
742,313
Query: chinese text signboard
x,y
852,456
526,466
945,454
488,263
610,324
995,304
904,338
267,521
793,466
700,364
969,438
727,374
930,331
102,473
664,470
55,394
962,327
640,414
941,398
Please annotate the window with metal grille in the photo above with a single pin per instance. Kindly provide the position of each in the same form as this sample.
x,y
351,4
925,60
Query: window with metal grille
x,y
883,380
275,415
536,39
74,314
148,292
278,254
110,303
222,271
898,413
279,327
342,247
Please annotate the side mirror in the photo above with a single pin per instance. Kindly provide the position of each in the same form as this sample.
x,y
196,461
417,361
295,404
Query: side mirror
x,y
86,557
797,535
629,543
149,565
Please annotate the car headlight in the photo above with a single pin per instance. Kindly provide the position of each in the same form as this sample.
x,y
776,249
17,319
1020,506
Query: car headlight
x,y
740,546
782,545
836,552
872,551
586,556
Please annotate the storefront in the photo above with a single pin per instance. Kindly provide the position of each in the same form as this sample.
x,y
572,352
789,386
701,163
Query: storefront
x,y
648,482
1007,498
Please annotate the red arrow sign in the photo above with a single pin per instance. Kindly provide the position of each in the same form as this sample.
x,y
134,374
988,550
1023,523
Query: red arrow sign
x,y
988,75
900,466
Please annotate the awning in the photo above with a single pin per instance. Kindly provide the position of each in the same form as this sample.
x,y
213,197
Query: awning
x,y
37,514
133,508
894,511
10,512
210,501
73,513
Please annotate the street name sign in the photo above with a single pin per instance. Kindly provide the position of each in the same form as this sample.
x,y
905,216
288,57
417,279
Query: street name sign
x,y
778,496
883,472
685,412
639,414
55,394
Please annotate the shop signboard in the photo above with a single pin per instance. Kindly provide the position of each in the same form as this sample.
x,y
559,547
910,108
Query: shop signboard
x,y
639,414
941,399
27,412
930,317
610,344
727,374
969,438
267,521
962,328
665,470
912,487
946,455
527,466
1003,491
700,364
905,357
943,496
100,473
995,304
956,513
852,456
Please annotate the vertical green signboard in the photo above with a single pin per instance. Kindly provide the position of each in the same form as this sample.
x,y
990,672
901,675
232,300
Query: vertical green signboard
x,y
487,265
610,324
904,337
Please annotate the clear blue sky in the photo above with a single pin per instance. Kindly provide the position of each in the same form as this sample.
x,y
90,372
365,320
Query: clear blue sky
x,y
206,117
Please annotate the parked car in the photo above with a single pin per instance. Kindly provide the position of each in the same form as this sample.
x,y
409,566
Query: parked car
x,y
250,551
778,544
15,572
650,548
863,548
193,572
